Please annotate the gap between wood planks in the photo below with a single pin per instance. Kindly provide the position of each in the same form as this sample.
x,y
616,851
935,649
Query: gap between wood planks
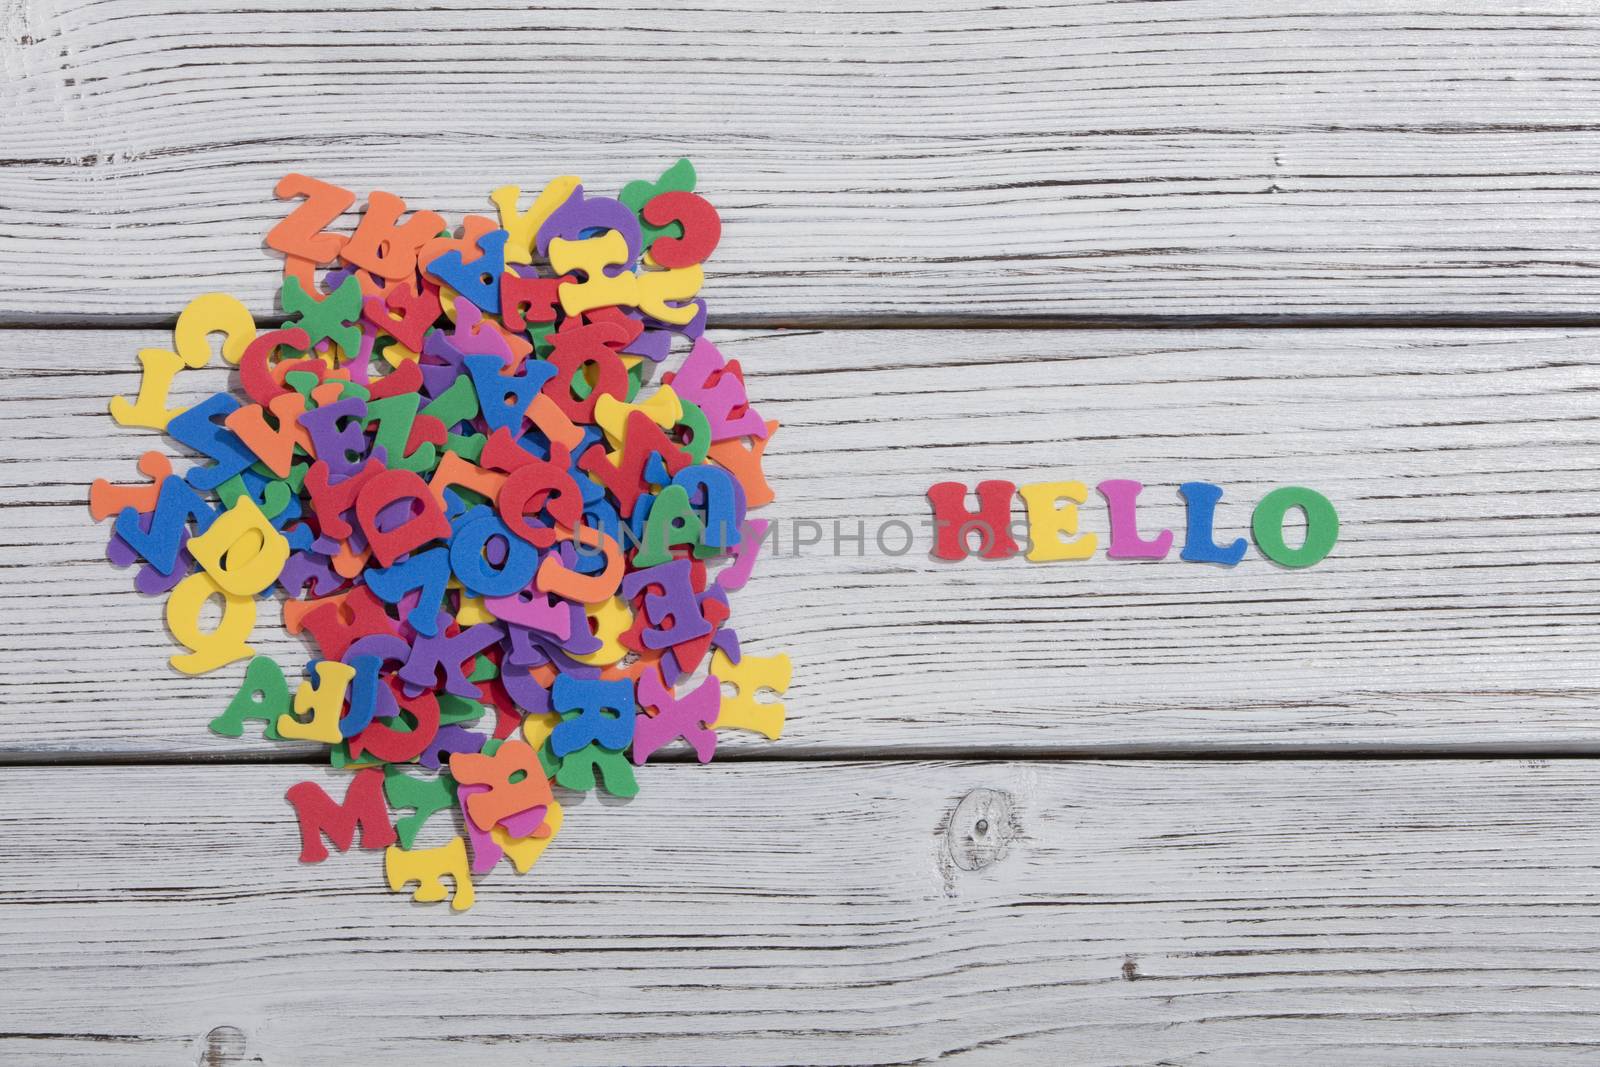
x,y
914,754
1450,321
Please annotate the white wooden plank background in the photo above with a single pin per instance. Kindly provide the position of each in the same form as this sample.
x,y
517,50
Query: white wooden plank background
x,y
1457,610
1407,163
1439,913
1017,161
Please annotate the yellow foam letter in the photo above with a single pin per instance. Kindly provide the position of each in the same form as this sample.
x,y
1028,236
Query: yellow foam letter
x,y
149,409
611,415
611,620
427,867
592,256
656,287
1053,511
521,229
525,851
241,550
537,727
212,313
741,711
208,651
325,702
205,315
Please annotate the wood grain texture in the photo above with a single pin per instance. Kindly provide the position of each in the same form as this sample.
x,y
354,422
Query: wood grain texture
x,y
1456,611
1027,160
1433,913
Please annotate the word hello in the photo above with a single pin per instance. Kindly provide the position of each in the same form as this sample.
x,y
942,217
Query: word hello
x,y
1053,523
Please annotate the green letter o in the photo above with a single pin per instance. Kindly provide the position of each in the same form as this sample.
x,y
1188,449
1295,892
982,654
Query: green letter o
x,y
1322,526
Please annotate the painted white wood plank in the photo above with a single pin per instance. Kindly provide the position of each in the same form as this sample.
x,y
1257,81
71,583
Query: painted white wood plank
x,y
1457,610
1433,913
1018,160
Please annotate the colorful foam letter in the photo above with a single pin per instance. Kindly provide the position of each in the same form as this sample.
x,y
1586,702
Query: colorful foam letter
x,y
428,867
1122,502
1053,512
954,523
1322,526
320,816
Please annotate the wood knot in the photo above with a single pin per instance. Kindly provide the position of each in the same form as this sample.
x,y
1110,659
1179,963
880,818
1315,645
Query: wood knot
x,y
222,1047
981,827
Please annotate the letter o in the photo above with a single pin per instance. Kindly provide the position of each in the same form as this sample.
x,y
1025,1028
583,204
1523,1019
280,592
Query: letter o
x,y
1322,526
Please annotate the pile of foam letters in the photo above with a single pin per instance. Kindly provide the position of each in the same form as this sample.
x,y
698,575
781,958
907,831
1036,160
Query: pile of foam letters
x,y
500,552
